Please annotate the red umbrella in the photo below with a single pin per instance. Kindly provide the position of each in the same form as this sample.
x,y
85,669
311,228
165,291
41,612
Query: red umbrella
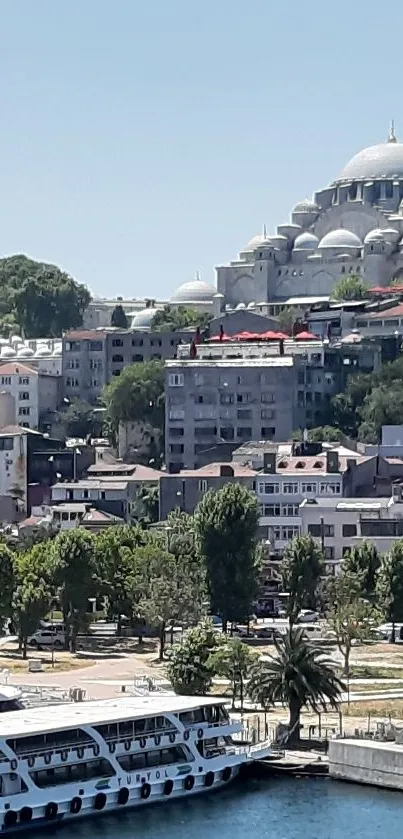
x,y
221,338
270,335
283,336
247,336
306,336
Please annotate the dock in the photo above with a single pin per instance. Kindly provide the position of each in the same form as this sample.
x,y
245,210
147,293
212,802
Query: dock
x,y
294,763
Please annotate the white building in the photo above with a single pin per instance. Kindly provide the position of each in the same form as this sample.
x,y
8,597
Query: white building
x,y
340,524
22,383
13,472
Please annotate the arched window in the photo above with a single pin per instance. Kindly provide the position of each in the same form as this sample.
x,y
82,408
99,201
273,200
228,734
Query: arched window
x,y
117,358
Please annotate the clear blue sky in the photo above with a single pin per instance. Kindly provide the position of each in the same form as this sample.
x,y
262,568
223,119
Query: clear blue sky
x,y
141,142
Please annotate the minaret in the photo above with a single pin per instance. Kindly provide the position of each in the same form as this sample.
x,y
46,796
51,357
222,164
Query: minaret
x,y
392,136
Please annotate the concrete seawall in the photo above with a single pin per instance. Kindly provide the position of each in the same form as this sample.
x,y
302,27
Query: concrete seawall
x,y
367,762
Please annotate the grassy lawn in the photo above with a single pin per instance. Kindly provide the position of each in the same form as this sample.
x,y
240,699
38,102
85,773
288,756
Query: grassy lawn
x,y
358,671
376,707
11,660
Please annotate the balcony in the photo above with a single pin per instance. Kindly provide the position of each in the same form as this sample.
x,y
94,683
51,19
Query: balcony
x,y
176,414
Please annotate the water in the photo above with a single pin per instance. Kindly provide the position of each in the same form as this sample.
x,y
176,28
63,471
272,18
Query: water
x,y
283,808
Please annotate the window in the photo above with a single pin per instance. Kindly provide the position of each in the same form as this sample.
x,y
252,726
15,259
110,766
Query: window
x,y
117,342
309,487
137,357
226,398
6,380
73,346
85,493
329,552
6,444
95,364
23,412
94,383
239,380
95,346
72,382
290,488
244,397
117,359
301,378
244,433
267,432
199,379
286,533
267,396
316,530
392,322
205,431
272,510
23,380
203,485
227,432
176,379
205,398
349,530
329,489
269,489
176,448
72,364
244,414
290,510
176,432
267,414
137,342
116,373
156,343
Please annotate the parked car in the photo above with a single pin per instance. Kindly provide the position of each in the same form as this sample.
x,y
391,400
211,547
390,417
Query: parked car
x,y
307,616
47,638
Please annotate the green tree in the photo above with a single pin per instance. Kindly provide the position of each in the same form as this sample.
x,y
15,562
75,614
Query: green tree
x,y
288,317
118,318
299,675
145,508
159,589
350,617
350,288
79,420
363,561
301,569
389,585
176,318
325,434
76,578
180,535
33,592
7,581
137,396
43,299
233,661
226,525
189,663
382,406
118,571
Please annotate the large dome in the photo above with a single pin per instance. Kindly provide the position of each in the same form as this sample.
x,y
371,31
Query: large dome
x,y
194,292
340,238
382,161
144,318
306,241
306,206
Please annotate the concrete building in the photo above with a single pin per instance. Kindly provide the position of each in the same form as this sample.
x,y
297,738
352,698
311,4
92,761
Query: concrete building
x,y
185,490
112,495
91,358
340,524
240,392
36,395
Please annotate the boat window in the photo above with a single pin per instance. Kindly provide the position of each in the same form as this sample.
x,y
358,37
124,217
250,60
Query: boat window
x,y
126,729
156,757
12,785
108,732
50,740
76,772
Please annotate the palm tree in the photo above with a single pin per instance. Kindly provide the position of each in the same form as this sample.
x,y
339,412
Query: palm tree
x,y
299,675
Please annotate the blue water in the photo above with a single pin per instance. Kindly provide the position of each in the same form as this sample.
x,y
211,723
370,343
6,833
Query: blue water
x,y
283,808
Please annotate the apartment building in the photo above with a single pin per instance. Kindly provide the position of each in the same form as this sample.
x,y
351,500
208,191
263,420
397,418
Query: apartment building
x,y
22,383
91,358
238,392
340,524
185,490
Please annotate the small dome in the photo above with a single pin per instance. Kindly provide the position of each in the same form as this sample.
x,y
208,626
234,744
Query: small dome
x,y
251,305
25,352
7,352
306,206
241,306
144,318
391,234
306,241
375,235
340,238
42,352
254,242
196,291
16,339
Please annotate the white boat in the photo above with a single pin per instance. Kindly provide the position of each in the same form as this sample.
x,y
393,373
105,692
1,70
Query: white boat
x,y
61,762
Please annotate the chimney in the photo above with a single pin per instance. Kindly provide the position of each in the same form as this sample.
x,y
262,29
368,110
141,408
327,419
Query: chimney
x,y
269,463
332,462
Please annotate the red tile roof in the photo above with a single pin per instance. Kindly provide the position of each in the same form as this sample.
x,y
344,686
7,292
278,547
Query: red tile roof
x,y
396,311
212,470
84,334
15,367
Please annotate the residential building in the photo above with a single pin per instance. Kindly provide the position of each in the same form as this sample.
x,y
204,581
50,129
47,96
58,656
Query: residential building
x,y
341,524
67,516
91,358
239,392
183,491
21,382
112,495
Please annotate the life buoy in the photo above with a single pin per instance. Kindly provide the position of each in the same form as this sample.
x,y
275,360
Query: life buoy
x,y
26,814
227,772
128,744
172,737
64,755
96,750
142,742
200,733
112,747
168,787
48,757
51,810
186,735
157,739
209,779
99,801
145,791
31,761
75,804
13,765
10,818
80,752
123,795
189,782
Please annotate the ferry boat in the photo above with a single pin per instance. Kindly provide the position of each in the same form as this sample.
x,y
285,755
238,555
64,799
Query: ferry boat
x,y
61,762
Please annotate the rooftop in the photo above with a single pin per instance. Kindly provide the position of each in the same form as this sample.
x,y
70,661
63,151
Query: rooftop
x,y
136,471
213,470
395,312
13,368
93,483
239,350
349,506
84,334
17,430
255,360
312,464
100,712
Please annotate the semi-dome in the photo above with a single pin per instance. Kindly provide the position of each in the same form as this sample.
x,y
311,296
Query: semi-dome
x,y
144,318
196,291
306,206
7,352
25,352
375,235
384,160
306,241
42,352
340,238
